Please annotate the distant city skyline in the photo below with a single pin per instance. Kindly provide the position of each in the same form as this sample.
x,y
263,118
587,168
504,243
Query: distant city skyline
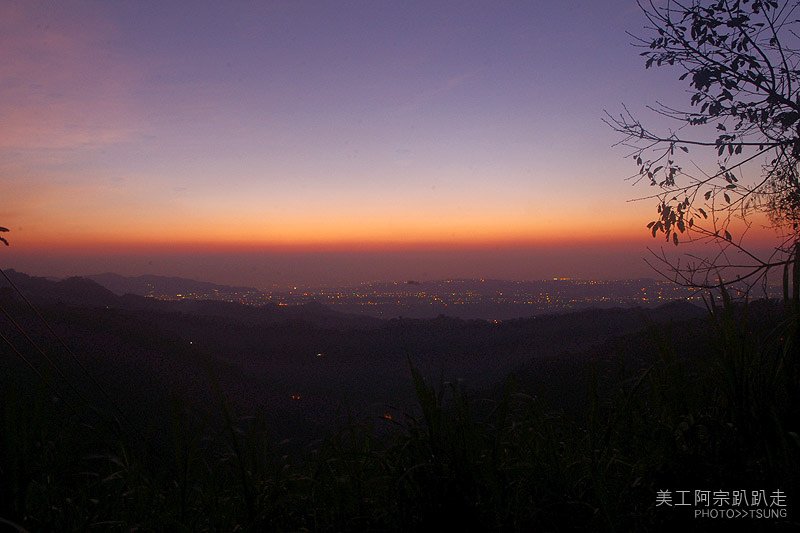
x,y
486,299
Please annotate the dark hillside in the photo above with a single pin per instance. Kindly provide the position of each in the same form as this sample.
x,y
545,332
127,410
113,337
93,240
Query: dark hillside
x,y
191,409
145,349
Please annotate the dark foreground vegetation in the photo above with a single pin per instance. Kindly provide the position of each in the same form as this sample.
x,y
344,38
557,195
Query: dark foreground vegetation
x,y
580,440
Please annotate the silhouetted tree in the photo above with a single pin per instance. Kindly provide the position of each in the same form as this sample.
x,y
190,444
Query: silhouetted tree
x,y
741,59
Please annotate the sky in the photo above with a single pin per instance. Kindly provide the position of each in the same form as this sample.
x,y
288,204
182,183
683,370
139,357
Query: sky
x,y
322,142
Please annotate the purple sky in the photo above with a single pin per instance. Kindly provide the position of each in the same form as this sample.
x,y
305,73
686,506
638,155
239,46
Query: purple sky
x,y
416,139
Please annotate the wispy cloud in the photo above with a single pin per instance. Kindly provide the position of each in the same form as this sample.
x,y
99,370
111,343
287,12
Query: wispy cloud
x,y
62,85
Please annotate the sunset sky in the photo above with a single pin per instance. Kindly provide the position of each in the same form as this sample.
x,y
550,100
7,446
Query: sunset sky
x,y
322,142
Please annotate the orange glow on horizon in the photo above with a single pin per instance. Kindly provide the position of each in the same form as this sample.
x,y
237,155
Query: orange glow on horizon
x,y
371,235
482,238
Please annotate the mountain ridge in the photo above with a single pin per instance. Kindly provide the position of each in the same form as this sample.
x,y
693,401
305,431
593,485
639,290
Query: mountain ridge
x,y
84,292
149,283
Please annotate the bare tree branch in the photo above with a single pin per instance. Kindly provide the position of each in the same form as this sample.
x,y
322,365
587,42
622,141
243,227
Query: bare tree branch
x,y
741,60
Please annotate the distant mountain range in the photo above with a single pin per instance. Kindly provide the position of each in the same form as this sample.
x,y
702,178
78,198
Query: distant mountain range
x,y
341,307
151,284
84,292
